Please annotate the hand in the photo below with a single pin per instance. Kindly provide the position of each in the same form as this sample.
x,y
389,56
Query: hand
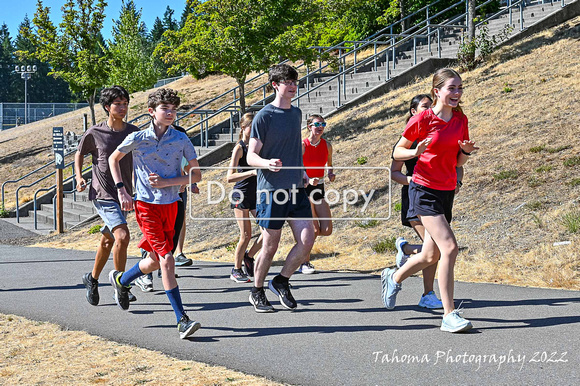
x,y
81,184
457,188
156,181
467,146
182,188
194,188
274,165
125,200
254,173
331,176
313,181
422,146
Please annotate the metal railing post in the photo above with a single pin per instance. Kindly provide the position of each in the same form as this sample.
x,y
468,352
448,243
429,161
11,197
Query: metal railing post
x,y
264,92
338,89
354,69
466,12
414,50
394,51
307,78
428,31
510,12
232,127
387,64
521,16
320,60
375,44
439,41
235,97
563,3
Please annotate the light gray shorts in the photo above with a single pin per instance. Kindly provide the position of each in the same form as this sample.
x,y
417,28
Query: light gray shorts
x,y
111,214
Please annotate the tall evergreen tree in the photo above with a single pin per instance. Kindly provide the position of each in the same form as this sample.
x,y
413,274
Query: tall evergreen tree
x,y
169,22
132,66
7,77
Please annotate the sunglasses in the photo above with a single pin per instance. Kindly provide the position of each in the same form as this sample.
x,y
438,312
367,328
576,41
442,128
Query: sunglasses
x,y
318,124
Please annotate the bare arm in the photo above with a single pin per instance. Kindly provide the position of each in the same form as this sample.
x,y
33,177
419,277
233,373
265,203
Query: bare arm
x,y
233,175
397,175
124,198
81,183
331,175
194,176
256,161
465,147
403,152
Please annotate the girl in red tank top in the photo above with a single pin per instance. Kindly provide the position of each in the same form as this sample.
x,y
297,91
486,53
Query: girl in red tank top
x,y
316,154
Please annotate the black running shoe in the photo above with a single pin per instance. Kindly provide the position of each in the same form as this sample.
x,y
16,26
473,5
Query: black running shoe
x,y
283,292
187,327
121,292
92,289
260,302
249,264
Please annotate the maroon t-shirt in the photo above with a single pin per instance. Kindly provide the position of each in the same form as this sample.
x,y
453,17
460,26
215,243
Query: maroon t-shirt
x,y
100,141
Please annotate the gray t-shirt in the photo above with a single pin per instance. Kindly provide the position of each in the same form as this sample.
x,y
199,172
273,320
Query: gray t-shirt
x,y
100,142
279,131
162,157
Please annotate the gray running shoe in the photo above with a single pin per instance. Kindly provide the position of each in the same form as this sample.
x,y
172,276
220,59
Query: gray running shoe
x,y
390,288
92,289
453,322
121,292
182,261
260,302
239,276
187,327
283,292
145,282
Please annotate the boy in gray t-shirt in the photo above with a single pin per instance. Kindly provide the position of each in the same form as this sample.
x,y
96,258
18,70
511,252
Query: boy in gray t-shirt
x,y
276,143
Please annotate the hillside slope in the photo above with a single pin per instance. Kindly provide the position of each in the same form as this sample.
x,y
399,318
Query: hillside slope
x,y
517,188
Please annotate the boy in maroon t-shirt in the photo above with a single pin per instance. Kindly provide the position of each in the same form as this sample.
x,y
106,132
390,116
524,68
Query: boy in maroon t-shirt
x,y
100,141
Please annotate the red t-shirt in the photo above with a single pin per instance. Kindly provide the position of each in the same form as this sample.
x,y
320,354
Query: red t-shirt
x,y
436,166
315,156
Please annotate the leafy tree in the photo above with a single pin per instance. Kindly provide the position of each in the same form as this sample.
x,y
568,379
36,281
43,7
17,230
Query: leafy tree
x,y
132,64
7,78
236,37
75,51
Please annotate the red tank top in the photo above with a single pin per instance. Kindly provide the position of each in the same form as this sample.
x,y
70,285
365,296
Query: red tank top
x,y
315,156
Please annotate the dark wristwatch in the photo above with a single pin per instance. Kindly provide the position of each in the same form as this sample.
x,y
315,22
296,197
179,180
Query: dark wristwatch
x,y
459,183
119,185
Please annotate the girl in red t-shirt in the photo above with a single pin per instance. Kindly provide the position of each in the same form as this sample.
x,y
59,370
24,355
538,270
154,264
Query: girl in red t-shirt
x,y
317,152
443,144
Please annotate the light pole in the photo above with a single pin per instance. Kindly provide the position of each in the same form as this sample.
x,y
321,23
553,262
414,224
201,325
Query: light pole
x,y
25,72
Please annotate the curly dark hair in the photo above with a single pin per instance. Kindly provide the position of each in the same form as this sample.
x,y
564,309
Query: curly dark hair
x,y
163,96
108,96
282,72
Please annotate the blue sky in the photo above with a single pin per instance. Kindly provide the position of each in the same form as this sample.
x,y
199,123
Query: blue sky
x,y
13,11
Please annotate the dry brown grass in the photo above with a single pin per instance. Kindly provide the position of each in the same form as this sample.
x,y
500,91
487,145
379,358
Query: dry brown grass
x,y
36,353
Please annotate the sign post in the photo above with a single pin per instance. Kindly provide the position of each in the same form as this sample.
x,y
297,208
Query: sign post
x,y
58,147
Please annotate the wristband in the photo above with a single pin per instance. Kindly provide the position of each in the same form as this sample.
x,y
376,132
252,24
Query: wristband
x,y
119,185
464,152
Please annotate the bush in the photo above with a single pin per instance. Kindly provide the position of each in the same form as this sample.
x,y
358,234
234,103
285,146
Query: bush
x,y
482,44
94,229
4,213
386,245
362,160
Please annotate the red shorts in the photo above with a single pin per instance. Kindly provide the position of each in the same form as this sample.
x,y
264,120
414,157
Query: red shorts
x,y
157,222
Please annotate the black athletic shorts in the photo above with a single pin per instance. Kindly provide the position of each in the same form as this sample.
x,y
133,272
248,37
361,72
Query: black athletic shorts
x,y
425,201
248,201
318,192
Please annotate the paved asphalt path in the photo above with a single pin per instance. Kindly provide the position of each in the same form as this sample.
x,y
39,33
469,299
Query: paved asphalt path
x,y
340,334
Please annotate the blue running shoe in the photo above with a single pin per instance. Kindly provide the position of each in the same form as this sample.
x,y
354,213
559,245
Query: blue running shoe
x,y
401,257
430,301
453,322
390,288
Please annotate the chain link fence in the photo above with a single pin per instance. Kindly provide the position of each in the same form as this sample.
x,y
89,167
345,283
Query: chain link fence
x,y
13,114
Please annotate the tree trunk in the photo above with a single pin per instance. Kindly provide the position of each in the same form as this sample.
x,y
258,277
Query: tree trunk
x,y
242,95
403,11
91,101
471,19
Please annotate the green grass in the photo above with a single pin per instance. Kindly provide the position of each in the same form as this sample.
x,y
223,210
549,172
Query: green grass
x,y
506,175
534,205
574,161
397,206
537,149
231,247
558,149
365,224
534,182
544,168
572,221
573,182
384,246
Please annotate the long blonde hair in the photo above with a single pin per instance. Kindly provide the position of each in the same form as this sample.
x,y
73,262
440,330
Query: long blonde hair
x,y
439,79
246,120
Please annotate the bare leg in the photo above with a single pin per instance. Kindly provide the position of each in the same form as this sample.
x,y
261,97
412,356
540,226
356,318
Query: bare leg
x,y
122,238
103,253
245,225
303,231
430,271
181,241
271,239
258,243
